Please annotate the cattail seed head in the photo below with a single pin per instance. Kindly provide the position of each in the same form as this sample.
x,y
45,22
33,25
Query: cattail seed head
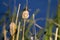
x,y
25,14
12,28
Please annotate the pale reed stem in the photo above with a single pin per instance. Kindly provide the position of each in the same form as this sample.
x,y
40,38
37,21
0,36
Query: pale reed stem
x,y
4,30
13,38
23,29
50,38
17,37
17,13
56,33
4,34
34,26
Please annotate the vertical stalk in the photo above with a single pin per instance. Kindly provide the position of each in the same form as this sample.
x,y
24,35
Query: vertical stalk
x,y
58,17
46,36
17,14
34,28
17,37
17,21
50,38
4,32
23,29
13,37
56,33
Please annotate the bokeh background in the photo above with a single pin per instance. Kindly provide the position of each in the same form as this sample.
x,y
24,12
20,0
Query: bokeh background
x,y
45,7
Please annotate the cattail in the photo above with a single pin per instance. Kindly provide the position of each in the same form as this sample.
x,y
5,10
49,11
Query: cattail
x,y
25,14
12,29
